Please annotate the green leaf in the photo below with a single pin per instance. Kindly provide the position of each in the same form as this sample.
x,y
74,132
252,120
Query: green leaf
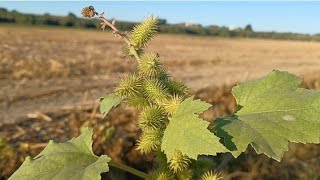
x,y
109,101
274,112
227,139
70,160
190,106
188,133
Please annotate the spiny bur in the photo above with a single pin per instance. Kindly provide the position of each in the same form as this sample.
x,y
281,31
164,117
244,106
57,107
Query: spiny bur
x,y
152,117
155,89
143,33
179,162
139,102
150,140
177,87
162,175
210,175
170,104
150,66
164,76
129,86
185,175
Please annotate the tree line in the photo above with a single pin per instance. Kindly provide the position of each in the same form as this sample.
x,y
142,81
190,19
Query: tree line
x,y
71,20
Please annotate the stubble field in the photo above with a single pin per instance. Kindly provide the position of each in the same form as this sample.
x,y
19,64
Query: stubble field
x,y
51,79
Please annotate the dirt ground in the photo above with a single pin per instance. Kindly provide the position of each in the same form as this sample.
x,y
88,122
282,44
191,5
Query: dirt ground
x,y
51,78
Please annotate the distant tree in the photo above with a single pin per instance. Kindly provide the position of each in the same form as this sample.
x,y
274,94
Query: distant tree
x,y
248,28
213,30
162,21
33,19
3,10
72,16
5,16
224,31
70,20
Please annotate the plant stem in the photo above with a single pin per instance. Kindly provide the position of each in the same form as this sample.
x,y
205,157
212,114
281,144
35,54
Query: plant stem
x,y
128,169
123,35
134,53
113,27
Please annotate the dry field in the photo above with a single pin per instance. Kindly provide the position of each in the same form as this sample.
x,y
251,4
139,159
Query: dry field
x,y
45,69
50,80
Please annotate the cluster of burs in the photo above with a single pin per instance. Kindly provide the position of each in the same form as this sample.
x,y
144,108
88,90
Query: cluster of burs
x,y
151,90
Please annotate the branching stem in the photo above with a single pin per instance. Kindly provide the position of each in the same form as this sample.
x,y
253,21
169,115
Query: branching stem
x,y
123,35
105,23
128,169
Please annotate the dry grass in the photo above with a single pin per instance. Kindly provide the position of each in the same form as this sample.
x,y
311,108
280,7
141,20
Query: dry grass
x,y
47,74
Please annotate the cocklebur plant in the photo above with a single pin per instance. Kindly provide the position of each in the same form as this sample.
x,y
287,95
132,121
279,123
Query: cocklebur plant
x,y
272,111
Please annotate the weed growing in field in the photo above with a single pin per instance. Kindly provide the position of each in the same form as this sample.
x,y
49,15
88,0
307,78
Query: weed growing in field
x,y
272,111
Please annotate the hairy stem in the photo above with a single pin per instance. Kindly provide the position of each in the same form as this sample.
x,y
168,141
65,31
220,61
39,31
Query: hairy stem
x,y
113,27
123,35
105,22
128,169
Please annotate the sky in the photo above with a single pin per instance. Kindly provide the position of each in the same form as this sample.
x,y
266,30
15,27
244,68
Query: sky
x,y
301,17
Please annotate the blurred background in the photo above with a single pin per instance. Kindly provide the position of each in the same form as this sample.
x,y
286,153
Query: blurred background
x,y
54,66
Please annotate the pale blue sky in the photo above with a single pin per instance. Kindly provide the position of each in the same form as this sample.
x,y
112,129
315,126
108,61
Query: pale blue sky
x,y
302,17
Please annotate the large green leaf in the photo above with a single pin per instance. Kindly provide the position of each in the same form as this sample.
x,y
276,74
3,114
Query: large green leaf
x,y
273,112
107,102
188,133
70,160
